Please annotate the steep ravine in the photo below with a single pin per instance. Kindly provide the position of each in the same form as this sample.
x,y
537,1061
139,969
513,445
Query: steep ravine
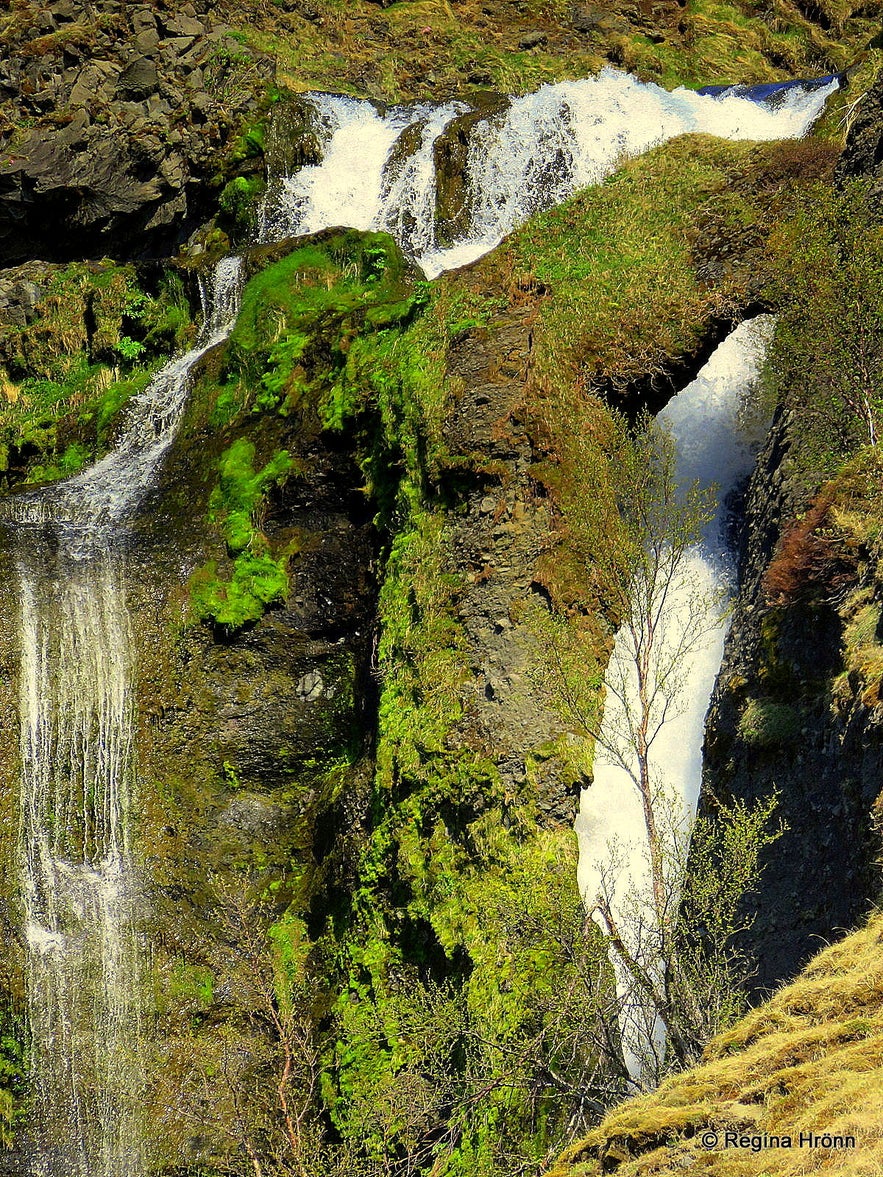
x,y
793,711
822,754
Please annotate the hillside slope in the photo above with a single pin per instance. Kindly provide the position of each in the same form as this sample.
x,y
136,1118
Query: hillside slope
x,y
809,1061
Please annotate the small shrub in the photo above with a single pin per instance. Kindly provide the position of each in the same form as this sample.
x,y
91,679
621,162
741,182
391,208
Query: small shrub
x,y
766,724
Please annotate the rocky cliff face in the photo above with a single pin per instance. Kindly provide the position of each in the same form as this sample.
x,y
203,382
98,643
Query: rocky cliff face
x,y
371,744
794,710
118,125
778,724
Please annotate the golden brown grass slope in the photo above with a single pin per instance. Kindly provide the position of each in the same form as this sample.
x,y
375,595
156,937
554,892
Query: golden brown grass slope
x,y
438,48
808,1061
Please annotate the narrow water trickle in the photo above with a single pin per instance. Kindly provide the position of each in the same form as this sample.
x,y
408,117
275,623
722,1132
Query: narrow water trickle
x,y
79,870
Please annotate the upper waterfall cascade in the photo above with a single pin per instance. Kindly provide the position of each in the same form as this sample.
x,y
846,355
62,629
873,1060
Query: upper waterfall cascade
x,y
538,152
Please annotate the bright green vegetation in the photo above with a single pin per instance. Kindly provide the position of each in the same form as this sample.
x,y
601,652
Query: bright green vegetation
x,y
257,579
13,1075
93,340
237,203
423,48
305,321
454,1034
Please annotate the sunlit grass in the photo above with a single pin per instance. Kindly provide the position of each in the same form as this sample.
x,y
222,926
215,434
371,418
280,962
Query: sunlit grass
x,y
809,1060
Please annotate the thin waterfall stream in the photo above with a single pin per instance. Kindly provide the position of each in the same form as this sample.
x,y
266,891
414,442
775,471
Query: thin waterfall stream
x,y
79,863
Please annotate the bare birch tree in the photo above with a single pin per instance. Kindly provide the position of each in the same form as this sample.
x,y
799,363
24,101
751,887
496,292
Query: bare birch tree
x,y
670,968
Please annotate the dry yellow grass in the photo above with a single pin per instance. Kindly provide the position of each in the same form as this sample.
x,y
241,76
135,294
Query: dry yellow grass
x,y
810,1060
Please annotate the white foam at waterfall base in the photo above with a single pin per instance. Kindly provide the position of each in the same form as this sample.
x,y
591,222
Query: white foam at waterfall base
x,y
716,443
543,148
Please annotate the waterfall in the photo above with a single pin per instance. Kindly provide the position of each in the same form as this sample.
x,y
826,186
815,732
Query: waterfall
x,y
78,787
361,182
79,870
538,152
716,441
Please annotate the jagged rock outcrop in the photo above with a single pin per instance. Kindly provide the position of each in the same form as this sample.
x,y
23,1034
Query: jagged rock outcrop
x,y
118,123
774,725
863,154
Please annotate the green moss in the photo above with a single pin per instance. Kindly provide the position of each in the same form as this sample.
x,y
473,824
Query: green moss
x,y
240,490
765,723
352,48
238,204
257,578
256,581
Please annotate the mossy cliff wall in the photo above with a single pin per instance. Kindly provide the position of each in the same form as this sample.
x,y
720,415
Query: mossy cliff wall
x,y
364,586
444,421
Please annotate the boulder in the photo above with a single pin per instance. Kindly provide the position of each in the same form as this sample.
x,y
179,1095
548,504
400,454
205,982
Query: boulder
x,y
532,40
139,79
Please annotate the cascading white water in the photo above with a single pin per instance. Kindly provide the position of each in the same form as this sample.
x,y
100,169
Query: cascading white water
x,y
76,707
716,444
360,183
541,150
76,683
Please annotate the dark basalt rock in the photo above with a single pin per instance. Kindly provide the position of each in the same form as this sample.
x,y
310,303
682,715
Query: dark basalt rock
x,y
140,78
863,154
827,771
451,152
115,146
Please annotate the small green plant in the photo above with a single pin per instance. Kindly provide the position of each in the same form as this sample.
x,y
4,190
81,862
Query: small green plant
x,y
238,200
767,724
130,349
231,776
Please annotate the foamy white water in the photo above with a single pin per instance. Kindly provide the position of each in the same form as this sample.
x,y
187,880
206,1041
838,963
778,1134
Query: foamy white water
x,y
79,878
716,445
360,183
544,147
